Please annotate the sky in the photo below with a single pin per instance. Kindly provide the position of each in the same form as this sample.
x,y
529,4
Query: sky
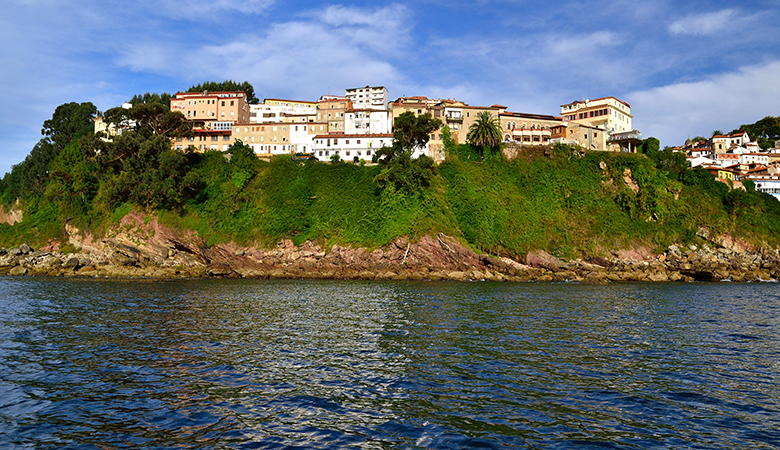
x,y
687,67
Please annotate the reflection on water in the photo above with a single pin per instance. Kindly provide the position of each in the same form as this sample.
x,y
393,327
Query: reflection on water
x,y
315,363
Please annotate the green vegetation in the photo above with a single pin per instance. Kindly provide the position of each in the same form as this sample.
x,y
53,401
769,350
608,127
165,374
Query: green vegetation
x,y
227,86
765,131
552,199
485,134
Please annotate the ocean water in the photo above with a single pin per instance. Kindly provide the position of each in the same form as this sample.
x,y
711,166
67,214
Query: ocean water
x,y
387,364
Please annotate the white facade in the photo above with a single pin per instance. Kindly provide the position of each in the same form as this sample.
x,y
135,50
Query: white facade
x,y
354,147
768,185
367,121
609,113
724,142
371,97
754,158
701,161
302,136
273,113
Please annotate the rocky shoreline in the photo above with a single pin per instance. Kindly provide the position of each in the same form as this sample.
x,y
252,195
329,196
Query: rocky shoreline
x,y
143,248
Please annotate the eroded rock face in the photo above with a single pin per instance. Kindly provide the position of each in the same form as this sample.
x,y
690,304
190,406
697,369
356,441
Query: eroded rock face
x,y
140,246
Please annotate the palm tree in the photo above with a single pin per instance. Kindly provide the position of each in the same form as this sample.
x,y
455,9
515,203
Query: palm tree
x,y
485,132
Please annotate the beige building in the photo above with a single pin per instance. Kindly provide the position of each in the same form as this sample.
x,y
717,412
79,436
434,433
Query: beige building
x,y
203,140
333,112
722,143
580,134
204,107
608,113
268,139
528,129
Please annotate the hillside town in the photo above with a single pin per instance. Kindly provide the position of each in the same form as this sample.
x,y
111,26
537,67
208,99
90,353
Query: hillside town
x,y
353,126
734,158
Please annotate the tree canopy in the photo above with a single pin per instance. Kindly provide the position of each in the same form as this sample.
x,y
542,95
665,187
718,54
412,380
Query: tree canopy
x,y
227,85
765,131
400,171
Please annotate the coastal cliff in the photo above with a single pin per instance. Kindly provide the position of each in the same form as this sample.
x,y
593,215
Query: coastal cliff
x,y
139,247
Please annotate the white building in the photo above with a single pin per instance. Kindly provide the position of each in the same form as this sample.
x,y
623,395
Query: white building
x,y
701,161
608,113
370,97
754,158
350,147
724,142
768,184
275,110
367,121
355,147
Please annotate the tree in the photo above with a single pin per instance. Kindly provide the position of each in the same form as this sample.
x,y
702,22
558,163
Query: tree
x,y
151,119
69,121
413,132
227,85
148,97
717,133
485,133
400,171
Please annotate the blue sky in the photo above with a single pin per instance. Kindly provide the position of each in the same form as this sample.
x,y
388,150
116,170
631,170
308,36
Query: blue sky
x,y
687,67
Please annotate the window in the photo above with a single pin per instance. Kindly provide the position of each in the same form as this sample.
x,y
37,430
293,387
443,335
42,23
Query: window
x,y
346,142
358,141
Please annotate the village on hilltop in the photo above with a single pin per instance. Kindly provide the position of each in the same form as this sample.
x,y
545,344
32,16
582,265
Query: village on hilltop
x,y
353,126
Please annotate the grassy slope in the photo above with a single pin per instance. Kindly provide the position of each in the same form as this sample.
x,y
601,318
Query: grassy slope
x,y
567,205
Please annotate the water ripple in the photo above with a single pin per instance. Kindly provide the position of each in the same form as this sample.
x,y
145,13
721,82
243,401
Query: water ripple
x,y
342,364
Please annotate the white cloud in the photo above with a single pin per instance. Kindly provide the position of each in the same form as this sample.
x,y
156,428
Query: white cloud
x,y
708,23
678,111
192,9
329,49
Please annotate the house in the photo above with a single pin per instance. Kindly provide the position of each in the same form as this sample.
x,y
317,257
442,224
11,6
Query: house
x,y
767,184
353,147
722,143
700,161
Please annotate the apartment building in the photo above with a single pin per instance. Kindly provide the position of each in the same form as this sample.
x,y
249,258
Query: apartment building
x,y
367,121
368,97
212,106
333,111
268,139
203,140
352,147
276,110
608,113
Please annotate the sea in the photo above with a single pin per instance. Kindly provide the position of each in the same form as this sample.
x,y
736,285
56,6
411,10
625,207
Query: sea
x,y
359,364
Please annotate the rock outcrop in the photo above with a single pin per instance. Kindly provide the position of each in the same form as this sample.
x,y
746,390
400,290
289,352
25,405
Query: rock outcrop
x,y
140,246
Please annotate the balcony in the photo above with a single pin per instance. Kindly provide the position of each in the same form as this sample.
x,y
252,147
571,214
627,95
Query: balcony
x,y
633,135
454,118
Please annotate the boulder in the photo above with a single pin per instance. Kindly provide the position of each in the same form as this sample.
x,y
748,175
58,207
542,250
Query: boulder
x,y
544,260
